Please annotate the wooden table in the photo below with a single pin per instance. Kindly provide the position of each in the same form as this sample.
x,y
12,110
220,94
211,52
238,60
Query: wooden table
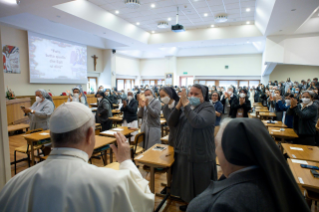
x,y
309,153
276,124
261,109
16,127
252,115
257,104
165,139
158,159
101,141
116,119
303,176
266,115
116,111
288,133
35,137
93,104
115,105
125,131
93,109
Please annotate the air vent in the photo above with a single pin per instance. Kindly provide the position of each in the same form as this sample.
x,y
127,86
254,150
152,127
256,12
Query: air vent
x,y
162,25
221,18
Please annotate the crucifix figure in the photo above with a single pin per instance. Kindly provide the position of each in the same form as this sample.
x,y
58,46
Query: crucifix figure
x,y
94,58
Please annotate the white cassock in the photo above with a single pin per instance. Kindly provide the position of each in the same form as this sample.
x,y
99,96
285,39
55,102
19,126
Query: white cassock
x,y
66,182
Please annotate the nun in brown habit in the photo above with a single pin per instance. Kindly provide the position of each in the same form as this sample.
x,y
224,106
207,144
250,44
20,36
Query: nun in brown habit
x,y
256,175
195,165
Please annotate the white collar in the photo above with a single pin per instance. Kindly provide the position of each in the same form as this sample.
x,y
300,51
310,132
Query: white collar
x,y
72,152
170,106
243,170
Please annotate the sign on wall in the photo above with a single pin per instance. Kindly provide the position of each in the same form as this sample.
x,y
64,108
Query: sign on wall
x,y
11,59
169,79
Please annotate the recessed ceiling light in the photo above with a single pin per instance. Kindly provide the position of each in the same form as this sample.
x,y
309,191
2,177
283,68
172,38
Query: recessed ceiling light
x,y
248,22
152,5
293,10
212,25
137,23
248,10
205,14
169,19
153,31
117,12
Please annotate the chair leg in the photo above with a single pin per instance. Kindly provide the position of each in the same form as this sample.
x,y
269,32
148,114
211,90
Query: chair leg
x,y
15,162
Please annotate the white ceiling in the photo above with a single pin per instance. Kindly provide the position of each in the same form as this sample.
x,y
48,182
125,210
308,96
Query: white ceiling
x,y
191,14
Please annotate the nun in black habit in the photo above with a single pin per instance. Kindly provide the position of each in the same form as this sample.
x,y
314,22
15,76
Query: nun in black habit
x,y
256,175
195,160
170,99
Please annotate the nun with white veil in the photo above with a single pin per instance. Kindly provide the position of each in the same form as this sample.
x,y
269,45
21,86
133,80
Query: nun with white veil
x,y
150,112
40,112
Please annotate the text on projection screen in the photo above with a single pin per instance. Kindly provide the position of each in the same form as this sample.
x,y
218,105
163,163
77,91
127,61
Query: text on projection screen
x,y
56,61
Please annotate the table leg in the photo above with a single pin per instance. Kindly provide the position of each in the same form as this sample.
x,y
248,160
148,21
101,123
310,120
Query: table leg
x,y
111,156
169,179
152,183
32,154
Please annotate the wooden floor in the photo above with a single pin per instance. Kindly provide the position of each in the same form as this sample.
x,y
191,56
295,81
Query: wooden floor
x,y
169,206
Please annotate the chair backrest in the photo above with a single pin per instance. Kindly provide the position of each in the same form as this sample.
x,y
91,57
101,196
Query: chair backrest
x,y
139,138
34,131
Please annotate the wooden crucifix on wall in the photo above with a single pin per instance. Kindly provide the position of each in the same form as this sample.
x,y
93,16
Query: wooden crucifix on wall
x,y
95,62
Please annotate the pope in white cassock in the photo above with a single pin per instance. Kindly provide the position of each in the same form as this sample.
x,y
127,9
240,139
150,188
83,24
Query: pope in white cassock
x,y
66,182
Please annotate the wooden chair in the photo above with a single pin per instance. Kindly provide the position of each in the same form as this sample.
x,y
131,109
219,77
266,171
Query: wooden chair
x,y
135,148
26,149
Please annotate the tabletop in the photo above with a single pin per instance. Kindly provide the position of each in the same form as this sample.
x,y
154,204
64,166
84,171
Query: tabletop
x,y
287,133
116,111
303,176
124,130
257,104
267,114
158,158
302,152
276,124
101,141
261,109
38,136
93,104
252,115
163,121
116,118
16,127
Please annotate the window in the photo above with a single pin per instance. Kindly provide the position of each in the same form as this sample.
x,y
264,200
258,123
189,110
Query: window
x,y
202,82
254,84
227,84
152,82
124,84
210,83
243,83
186,81
92,85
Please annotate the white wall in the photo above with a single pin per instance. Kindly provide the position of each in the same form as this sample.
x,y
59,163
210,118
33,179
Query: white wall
x,y
297,50
19,83
239,65
127,66
153,67
295,72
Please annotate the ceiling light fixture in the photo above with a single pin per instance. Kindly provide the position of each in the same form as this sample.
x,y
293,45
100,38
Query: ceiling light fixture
x,y
248,10
117,12
13,1
169,19
153,32
133,4
152,5
212,25
221,18
248,22
205,14
137,23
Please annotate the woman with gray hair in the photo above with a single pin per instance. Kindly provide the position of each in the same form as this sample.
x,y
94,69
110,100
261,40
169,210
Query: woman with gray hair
x,y
39,113
195,159
304,118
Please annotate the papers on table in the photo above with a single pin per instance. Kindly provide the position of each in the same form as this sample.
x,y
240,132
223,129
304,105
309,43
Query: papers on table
x,y
43,133
159,148
294,156
299,161
108,132
300,180
296,148
117,129
275,130
139,157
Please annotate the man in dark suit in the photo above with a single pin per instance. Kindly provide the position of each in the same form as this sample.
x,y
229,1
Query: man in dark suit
x,y
130,111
